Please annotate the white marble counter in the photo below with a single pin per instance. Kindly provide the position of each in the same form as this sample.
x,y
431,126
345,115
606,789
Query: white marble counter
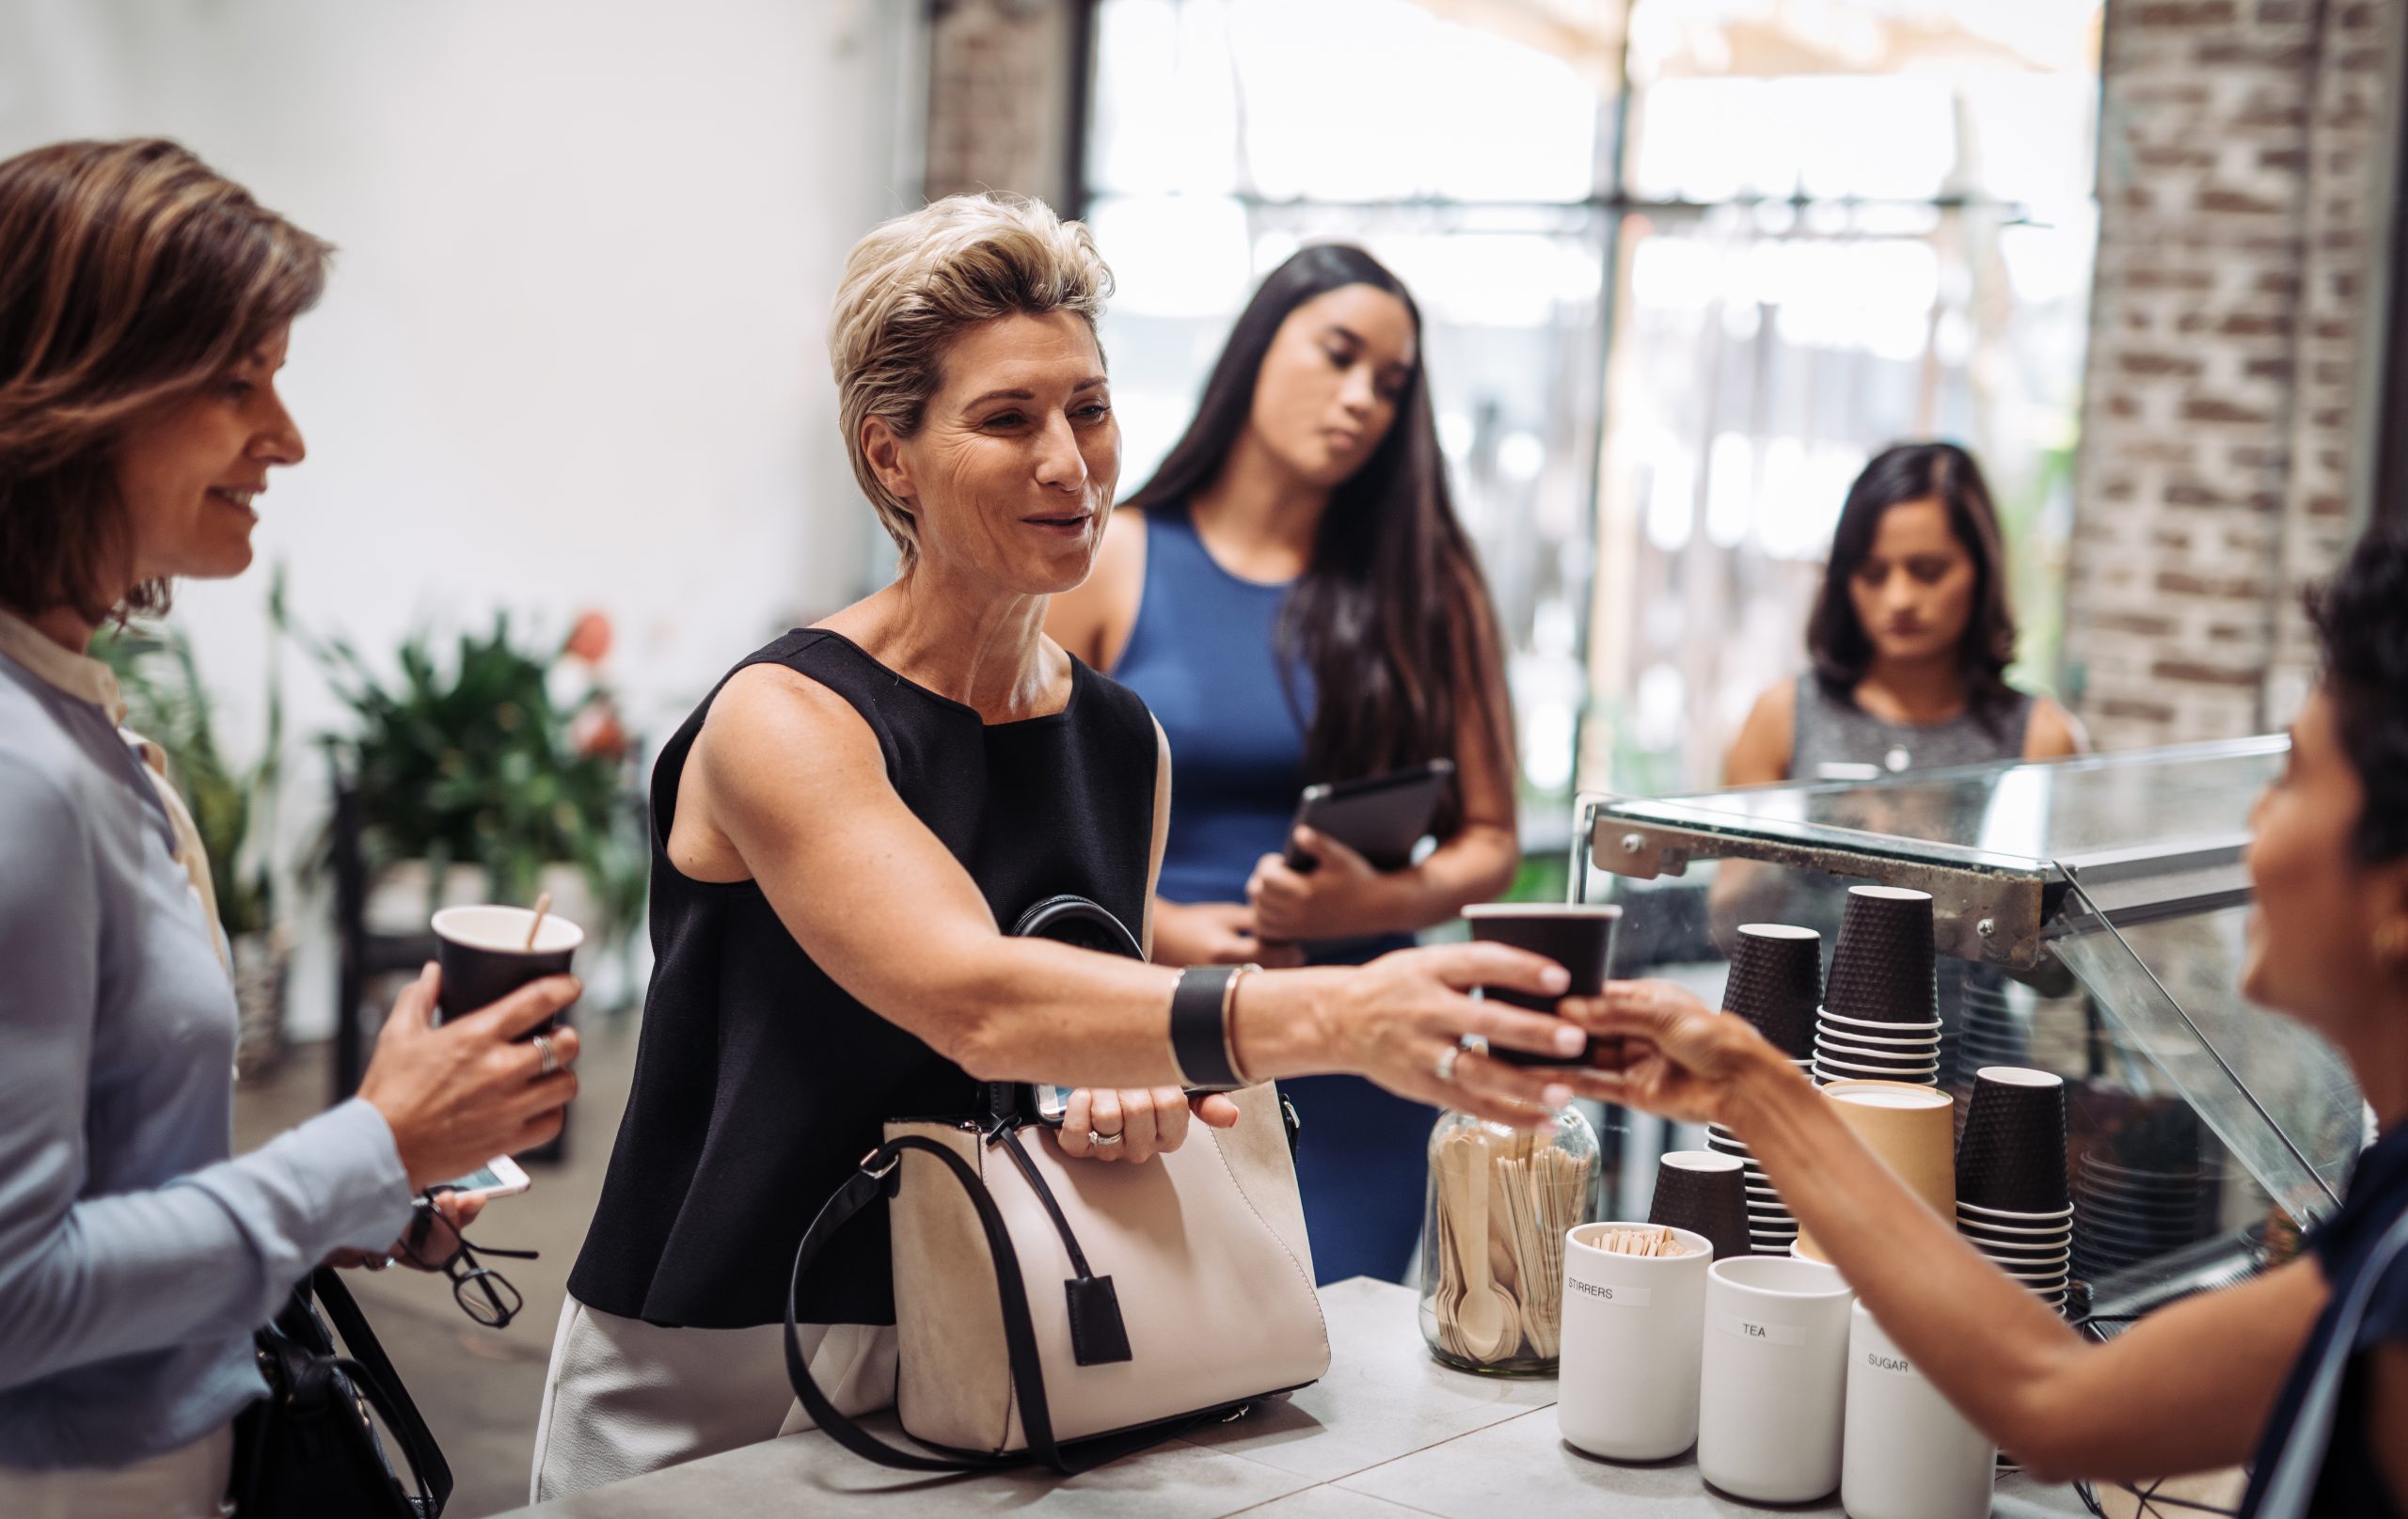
x,y
1388,1433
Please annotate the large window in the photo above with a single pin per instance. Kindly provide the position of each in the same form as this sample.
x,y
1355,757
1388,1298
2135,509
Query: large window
x,y
1686,263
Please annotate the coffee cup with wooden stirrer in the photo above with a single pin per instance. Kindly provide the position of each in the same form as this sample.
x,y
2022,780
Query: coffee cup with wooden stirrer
x,y
486,952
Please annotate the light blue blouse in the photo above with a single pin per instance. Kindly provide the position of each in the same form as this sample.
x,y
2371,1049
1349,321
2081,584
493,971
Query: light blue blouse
x,y
136,1254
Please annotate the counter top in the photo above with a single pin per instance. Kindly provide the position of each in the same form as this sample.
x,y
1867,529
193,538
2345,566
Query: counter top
x,y
1388,1435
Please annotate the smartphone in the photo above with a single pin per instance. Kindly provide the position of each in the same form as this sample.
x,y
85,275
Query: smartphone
x,y
1380,817
498,1177
1051,1103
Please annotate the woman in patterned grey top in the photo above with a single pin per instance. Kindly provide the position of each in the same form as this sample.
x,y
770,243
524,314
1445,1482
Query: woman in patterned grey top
x,y
1910,642
1909,639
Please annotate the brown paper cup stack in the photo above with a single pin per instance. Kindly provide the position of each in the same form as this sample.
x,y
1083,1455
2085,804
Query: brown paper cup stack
x,y
1912,1128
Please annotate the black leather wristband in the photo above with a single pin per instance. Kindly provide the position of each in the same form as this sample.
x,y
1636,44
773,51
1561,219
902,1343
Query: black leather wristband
x,y
1198,1039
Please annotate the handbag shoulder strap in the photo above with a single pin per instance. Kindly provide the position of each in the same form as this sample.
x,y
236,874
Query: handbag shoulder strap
x,y
382,1386
863,1188
2292,1487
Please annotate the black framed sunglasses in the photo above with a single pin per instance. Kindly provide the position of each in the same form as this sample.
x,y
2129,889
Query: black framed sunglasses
x,y
432,1244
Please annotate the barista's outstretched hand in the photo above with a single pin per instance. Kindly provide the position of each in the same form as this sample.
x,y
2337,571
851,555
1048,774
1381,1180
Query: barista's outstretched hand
x,y
1677,1057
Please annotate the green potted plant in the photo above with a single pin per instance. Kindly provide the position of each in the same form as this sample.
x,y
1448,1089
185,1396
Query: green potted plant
x,y
233,808
479,780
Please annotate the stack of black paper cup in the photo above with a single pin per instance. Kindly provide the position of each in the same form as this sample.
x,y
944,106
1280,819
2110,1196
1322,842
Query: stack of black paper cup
x,y
2013,1202
1988,1032
1776,983
1881,1014
1700,1191
2145,1189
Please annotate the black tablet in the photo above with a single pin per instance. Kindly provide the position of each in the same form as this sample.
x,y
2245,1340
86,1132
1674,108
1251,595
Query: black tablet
x,y
1380,817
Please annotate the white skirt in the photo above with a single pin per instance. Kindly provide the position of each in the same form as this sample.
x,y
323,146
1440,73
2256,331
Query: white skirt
x,y
624,1397
186,1483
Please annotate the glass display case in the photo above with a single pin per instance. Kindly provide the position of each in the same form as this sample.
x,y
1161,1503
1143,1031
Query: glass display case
x,y
2091,915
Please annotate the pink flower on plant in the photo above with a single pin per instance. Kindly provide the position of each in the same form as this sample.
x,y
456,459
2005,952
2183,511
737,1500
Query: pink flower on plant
x,y
590,639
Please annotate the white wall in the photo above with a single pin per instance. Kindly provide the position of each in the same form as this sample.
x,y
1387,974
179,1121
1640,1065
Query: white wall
x,y
572,353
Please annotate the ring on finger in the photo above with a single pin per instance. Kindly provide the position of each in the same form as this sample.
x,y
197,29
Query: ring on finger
x,y
543,1048
1102,1141
1448,1058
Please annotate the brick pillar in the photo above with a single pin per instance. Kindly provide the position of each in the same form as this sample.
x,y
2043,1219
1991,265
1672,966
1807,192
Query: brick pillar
x,y
1004,82
2241,214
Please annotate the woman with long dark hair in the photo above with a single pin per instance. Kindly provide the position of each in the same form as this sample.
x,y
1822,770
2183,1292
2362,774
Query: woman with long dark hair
x,y
1293,597
1911,638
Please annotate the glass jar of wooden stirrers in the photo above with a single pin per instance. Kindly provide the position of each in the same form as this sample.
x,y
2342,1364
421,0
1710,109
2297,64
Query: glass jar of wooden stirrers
x,y
1492,1241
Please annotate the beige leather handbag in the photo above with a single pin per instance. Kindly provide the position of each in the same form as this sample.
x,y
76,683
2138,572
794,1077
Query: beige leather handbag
x,y
1071,1311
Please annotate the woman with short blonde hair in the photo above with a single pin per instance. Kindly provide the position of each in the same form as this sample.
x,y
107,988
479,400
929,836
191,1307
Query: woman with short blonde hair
x,y
843,831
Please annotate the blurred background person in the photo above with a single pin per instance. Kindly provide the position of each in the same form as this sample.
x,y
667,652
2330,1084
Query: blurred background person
x,y
1292,595
1909,641
146,304
1908,647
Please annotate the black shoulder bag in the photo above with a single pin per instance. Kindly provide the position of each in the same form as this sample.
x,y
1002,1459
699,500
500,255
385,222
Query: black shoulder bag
x,y
310,1449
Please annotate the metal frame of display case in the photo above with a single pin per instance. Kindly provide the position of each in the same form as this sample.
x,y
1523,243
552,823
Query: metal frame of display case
x,y
1988,903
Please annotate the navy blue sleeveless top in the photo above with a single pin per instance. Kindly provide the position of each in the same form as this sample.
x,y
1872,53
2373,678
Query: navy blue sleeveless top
x,y
2344,1246
1204,655
760,1082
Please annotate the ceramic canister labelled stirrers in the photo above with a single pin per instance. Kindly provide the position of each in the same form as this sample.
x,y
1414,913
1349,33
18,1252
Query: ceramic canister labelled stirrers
x,y
1633,1324
1884,966
1776,982
1907,1452
1703,1193
1911,1129
1772,1390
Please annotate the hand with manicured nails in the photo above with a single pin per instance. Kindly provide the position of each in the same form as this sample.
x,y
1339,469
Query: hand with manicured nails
x,y
1394,1018
458,1094
1337,899
1677,1057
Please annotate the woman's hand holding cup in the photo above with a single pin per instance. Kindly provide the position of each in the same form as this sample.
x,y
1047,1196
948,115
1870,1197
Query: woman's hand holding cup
x,y
457,1094
1401,1019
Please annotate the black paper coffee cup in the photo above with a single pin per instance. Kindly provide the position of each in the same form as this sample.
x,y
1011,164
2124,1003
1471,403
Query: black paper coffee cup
x,y
484,956
1579,936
